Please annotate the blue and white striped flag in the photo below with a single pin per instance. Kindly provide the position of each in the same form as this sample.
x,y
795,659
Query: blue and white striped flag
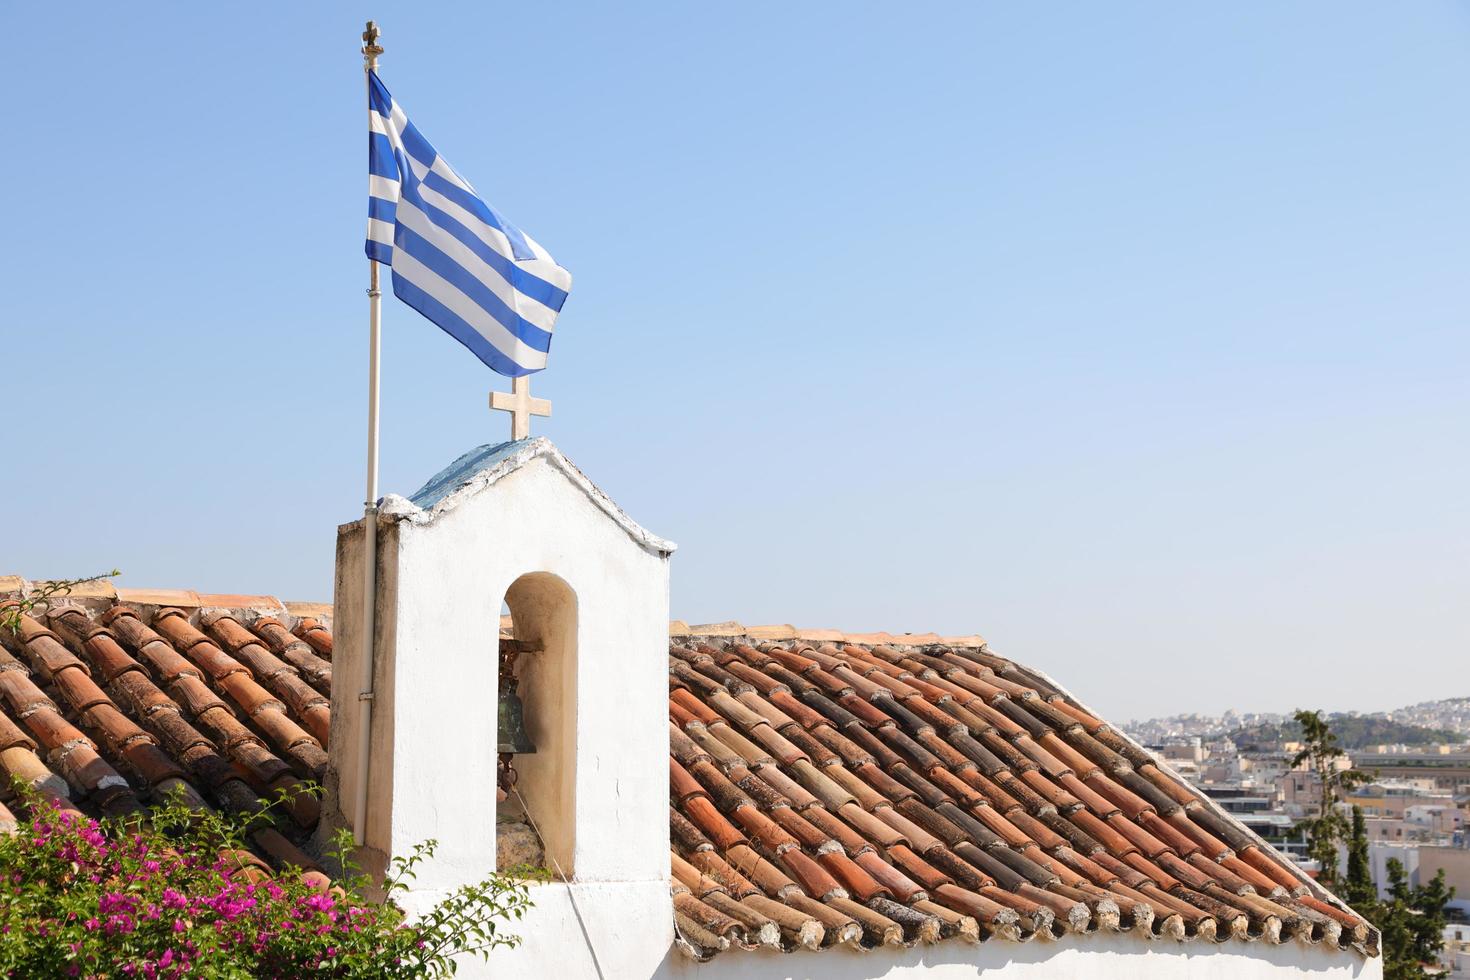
x,y
454,258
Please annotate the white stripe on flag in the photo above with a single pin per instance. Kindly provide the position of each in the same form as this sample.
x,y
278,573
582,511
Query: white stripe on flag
x,y
383,187
380,231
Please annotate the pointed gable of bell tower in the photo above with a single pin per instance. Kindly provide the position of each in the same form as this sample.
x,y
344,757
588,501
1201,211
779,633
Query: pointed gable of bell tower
x,y
588,593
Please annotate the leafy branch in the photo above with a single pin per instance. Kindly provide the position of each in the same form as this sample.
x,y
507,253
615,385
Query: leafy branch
x,y
38,599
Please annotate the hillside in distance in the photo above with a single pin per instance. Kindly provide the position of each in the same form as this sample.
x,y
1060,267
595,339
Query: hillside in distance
x,y
1354,733
1445,721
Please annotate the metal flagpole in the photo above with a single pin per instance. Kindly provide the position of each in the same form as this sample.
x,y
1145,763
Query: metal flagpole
x,y
370,52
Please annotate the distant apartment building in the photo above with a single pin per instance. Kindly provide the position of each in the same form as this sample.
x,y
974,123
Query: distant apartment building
x,y
1455,863
1394,798
1442,819
1300,792
1443,769
1456,955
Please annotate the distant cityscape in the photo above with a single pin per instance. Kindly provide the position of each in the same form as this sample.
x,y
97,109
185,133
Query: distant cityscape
x,y
1416,804
1451,714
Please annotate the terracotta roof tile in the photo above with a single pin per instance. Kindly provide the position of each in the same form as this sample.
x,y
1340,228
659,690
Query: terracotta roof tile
x,y
297,652
152,695
825,788
181,598
316,635
777,632
904,788
275,674
730,628
820,635
309,610
244,602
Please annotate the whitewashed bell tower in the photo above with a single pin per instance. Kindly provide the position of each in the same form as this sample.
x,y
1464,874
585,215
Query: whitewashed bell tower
x,y
588,590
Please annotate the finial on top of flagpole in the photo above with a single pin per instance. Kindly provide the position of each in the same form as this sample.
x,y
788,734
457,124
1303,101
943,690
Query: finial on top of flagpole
x,y
371,48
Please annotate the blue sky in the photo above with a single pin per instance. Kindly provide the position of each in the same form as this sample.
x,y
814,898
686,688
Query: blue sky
x,y
1132,337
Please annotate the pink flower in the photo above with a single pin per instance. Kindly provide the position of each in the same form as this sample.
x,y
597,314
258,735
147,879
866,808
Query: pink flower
x,y
119,924
320,902
92,834
116,902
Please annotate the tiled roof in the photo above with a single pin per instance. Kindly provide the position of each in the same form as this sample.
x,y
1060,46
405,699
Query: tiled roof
x,y
825,788
111,701
882,791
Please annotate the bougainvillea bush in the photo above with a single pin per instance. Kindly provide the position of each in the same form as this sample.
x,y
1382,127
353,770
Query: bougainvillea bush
x,y
164,896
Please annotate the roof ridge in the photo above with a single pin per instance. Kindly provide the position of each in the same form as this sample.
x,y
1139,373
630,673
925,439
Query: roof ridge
x,y
486,465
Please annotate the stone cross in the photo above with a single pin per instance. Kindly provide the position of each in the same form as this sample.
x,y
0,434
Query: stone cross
x,y
520,405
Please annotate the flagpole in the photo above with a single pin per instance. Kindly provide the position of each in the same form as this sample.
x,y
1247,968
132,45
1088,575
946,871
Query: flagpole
x,y
370,52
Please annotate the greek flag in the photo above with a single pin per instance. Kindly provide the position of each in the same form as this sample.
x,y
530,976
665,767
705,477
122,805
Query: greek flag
x,y
454,258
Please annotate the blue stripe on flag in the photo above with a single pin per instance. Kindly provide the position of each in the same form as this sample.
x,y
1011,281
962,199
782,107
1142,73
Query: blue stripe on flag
x,y
382,210
417,146
378,98
382,162
454,325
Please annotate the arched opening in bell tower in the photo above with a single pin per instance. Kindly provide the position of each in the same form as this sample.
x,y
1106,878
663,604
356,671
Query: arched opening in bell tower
x,y
538,720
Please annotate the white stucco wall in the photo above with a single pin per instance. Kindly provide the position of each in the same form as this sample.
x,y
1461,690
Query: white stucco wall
x,y
443,575
628,924
1101,956
628,947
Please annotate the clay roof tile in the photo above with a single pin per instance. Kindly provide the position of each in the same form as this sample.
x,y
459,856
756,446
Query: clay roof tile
x,y
825,788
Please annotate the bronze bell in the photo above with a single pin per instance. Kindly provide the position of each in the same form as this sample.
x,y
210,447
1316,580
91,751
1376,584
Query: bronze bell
x,y
513,737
